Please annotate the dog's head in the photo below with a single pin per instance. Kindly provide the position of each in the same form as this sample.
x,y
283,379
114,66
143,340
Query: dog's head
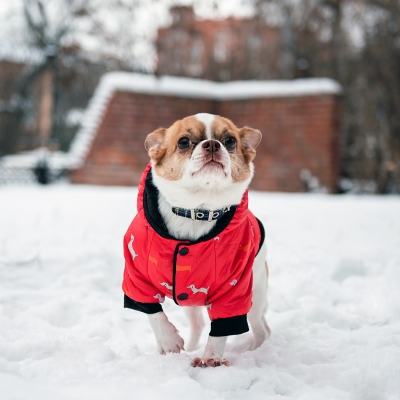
x,y
202,152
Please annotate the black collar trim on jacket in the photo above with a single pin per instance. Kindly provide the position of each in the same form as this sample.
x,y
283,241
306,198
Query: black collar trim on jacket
x,y
153,216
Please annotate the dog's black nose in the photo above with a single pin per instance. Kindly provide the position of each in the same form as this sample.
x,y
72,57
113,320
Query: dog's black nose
x,y
211,145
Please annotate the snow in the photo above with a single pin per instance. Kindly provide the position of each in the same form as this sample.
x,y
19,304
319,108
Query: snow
x,y
57,160
334,303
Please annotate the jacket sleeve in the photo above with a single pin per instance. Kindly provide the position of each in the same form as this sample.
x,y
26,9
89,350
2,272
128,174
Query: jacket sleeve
x,y
231,301
140,294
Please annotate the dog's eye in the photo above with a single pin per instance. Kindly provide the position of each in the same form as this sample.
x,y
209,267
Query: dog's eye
x,y
230,142
183,143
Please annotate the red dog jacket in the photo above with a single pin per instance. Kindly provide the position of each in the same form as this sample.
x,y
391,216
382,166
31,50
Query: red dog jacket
x,y
214,271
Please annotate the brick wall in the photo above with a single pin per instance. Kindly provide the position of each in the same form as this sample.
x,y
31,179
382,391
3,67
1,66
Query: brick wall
x,y
298,132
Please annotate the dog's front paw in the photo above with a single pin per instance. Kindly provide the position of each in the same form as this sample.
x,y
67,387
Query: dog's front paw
x,y
167,336
170,342
210,362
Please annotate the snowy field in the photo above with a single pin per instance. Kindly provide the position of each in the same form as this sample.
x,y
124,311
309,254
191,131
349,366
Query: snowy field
x,y
334,303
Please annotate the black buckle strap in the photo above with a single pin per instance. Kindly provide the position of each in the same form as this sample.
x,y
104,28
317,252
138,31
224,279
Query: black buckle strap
x,y
199,214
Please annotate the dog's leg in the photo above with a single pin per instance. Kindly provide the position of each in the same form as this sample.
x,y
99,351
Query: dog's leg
x,y
196,321
213,353
167,337
261,330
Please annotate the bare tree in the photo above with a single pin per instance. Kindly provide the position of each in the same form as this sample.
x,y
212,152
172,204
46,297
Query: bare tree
x,y
61,32
320,36
48,40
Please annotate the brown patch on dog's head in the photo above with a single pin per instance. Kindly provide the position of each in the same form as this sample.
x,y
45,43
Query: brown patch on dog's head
x,y
171,148
163,149
154,145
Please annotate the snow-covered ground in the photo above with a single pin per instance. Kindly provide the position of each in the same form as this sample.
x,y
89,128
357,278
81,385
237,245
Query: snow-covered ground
x,y
334,303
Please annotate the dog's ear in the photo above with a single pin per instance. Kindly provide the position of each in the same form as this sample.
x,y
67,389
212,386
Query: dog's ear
x,y
154,144
250,140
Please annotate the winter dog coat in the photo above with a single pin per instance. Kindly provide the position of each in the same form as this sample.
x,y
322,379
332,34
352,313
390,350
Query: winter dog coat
x,y
214,271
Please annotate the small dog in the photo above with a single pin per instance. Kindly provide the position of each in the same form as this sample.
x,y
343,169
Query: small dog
x,y
195,240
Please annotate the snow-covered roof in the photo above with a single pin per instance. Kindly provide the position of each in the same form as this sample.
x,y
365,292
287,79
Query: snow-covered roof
x,y
197,88
171,86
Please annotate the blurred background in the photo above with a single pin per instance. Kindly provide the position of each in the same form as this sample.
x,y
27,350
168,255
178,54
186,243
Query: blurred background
x,y
53,54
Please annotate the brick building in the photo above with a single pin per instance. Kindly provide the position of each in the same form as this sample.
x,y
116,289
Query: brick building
x,y
218,50
32,127
37,123
299,121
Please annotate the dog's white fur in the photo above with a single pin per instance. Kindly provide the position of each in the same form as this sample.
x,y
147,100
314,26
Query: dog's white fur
x,y
207,120
210,189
